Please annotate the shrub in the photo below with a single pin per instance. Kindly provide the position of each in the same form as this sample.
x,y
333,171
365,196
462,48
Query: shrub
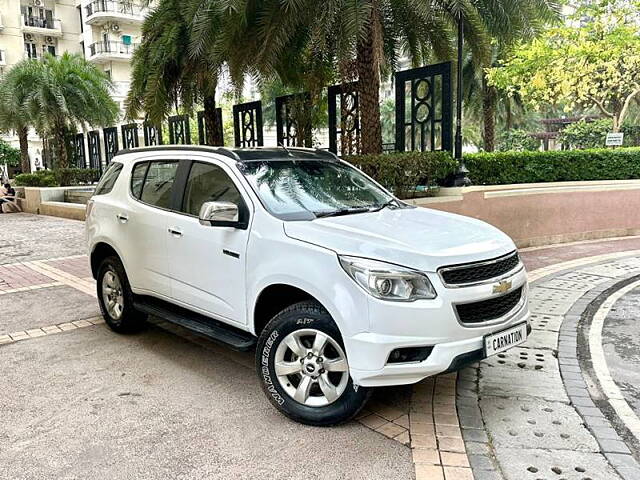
x,y
402,173
583,134
555,166
75,176
41,178
517,140
56,178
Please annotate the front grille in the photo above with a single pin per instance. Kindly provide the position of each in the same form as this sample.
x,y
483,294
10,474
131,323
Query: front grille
x,y
479,271
487,310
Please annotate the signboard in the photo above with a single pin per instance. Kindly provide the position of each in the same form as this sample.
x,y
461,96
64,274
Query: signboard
x,y
614,139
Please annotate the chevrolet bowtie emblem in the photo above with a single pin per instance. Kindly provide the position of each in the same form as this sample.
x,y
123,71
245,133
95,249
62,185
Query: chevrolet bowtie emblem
x,y
502,287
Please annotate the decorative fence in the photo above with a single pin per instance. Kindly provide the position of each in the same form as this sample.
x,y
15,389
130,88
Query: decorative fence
x,y
423,121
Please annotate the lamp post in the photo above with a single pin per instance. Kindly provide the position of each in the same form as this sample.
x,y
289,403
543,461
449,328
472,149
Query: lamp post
x,y
461,179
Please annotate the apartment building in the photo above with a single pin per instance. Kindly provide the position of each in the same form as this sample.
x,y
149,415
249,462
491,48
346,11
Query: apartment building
x,y
106,32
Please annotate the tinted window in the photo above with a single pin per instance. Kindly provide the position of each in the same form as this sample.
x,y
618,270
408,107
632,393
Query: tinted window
x,y
208,183
108,180
137,177
158,183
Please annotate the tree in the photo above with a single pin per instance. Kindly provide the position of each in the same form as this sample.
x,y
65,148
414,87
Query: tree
x,y
8,155
14,88
64,93
168,74
593,66
360,40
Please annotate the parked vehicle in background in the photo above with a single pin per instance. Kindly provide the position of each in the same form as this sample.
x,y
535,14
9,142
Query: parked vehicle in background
x,y
338,285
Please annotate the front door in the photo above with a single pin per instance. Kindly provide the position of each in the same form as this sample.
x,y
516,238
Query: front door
x,y
207,264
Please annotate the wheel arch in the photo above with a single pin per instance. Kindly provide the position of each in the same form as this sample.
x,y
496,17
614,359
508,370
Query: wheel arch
x,y
274,298
100,251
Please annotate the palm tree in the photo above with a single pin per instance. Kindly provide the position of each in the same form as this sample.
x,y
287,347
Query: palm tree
x,y
168,74
64,93
14,88
514,21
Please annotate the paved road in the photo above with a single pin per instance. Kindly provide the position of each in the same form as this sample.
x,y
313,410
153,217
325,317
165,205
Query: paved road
x,y
90,404
621,343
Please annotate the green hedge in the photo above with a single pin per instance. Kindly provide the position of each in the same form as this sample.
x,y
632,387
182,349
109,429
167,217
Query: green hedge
x,y
61,177
402,173
555,166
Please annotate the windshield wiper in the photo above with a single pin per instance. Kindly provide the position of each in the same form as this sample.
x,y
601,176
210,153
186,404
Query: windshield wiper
x,y
342,211
391,202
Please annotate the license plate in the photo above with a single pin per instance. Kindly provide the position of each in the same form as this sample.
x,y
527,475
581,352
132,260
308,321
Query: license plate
x,y
505,339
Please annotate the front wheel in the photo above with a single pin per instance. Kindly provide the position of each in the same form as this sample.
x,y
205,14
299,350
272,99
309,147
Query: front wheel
x,y
304,370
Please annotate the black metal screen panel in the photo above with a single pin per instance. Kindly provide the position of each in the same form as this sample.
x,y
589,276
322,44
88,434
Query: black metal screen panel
x,y
79,153
344,119
111,145
95,154
202,127
130,136
247,124
423,108
152,135
179,130
291,110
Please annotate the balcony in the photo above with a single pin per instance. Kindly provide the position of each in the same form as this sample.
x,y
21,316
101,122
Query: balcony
x,y
41,26
100,12
101,52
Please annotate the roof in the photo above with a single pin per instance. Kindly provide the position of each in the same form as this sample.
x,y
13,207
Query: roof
x,y
242,154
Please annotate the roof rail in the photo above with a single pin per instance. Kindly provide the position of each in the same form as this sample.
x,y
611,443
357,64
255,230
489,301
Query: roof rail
x,y
227,152
327,153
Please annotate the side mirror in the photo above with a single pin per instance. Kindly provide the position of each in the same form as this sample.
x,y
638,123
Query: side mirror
x,y
219,214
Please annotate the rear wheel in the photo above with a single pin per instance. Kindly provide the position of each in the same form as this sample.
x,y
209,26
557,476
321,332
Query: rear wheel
x,y
116,299
304,369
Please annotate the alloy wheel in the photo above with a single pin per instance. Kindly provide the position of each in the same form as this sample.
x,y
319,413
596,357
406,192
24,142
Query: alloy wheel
x,y
311,367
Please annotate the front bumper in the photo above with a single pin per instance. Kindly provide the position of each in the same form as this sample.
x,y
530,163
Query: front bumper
x,y
426,323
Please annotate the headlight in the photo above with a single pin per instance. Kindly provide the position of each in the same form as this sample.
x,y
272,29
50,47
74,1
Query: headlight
x,y
387,281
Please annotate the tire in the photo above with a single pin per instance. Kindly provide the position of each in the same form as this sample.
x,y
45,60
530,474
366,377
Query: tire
x,y
113,283
324,396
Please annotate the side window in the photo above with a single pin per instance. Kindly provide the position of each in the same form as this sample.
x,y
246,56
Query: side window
x,y
158,183
108,180
208,183
137,177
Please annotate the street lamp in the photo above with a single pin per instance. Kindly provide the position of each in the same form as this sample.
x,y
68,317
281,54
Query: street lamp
x,y
461,179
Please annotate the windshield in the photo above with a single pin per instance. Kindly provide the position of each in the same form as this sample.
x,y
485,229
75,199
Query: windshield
x,y
307,189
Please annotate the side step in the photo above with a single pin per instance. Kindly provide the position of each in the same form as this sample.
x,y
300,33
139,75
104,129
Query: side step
x,y
197,323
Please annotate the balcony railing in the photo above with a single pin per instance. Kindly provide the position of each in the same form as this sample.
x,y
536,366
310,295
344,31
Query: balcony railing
x,y
117,48
114,6
38,22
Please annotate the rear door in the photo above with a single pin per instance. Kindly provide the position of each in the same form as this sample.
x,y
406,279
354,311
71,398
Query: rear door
x,y
207,264
151,192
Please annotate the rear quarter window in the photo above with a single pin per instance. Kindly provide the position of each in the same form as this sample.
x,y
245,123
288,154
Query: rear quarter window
x,y
108,180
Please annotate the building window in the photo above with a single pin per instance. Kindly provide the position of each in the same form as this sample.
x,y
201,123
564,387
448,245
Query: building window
x,y
30,50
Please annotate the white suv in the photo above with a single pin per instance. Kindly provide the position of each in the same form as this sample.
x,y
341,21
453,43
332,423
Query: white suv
x,y
337,284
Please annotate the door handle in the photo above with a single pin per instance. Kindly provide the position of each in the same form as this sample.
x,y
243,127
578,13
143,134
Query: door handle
x,y
175,232
122,218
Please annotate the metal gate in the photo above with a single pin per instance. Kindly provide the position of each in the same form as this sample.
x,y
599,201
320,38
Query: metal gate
x,y
423,108
152,134
247,124
202,127
179,130
130,136
111,145
290,109
95,155
79,154
344,119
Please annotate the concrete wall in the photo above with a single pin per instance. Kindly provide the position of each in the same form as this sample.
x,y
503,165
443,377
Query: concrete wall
x,y
546,213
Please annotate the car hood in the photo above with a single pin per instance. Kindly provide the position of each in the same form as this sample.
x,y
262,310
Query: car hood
x,y
419,238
